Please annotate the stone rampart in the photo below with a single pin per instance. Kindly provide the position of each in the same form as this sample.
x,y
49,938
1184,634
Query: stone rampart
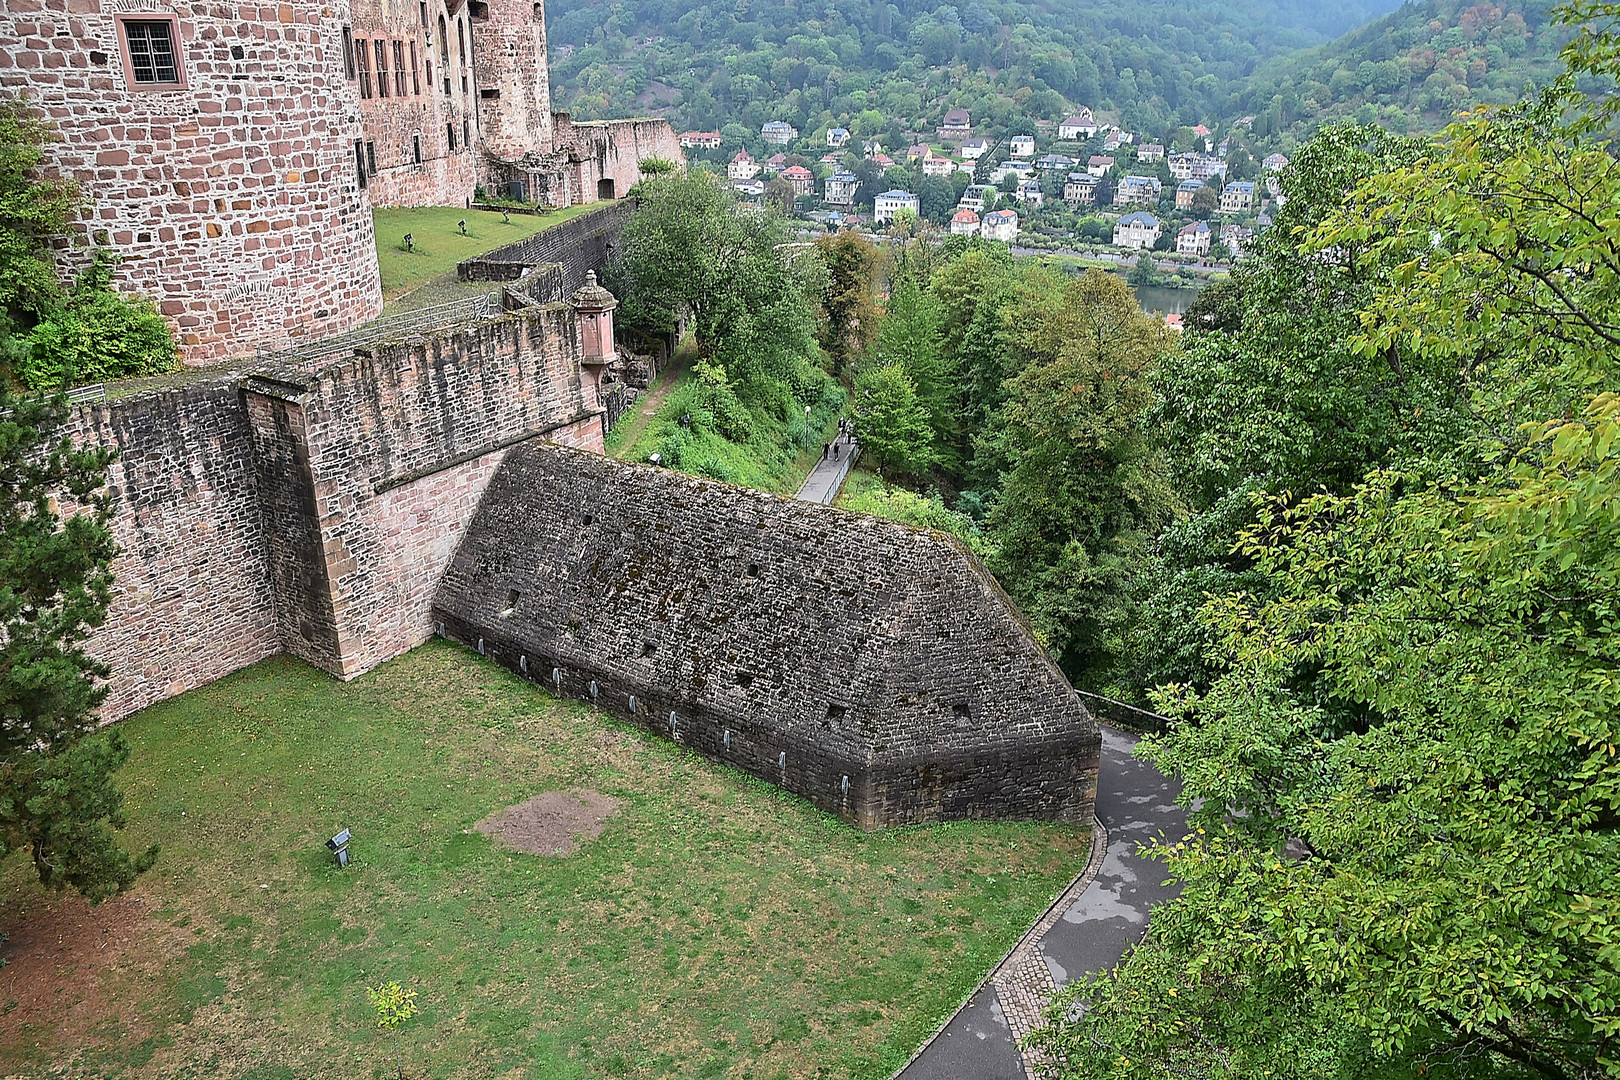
x,y
559,256
873,668
314,511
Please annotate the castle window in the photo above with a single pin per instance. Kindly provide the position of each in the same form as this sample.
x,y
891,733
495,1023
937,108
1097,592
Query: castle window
x,y
380,47
466,132
149,53
422,7
348,52
371,158
399,68
416,148
461,40
444,44
360,162
365,67
416,78
450,136
478,9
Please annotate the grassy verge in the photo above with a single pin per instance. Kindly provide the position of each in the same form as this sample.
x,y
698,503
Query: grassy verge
x,y
867,493
717,927
775,453
437,241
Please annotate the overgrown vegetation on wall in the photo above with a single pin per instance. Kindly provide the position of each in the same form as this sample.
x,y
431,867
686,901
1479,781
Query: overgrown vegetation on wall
x,y
50,337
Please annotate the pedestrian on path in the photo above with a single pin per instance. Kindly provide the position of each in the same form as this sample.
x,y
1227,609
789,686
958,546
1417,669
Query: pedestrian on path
x,y
835,451
823,451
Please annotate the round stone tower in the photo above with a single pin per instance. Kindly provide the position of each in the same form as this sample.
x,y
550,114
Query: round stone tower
x,y
220,154
514,85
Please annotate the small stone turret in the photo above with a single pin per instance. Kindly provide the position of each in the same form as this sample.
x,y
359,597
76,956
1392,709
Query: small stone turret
x,y
594,306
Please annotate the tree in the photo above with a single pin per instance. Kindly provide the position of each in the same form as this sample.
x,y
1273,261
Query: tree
x,y
393,1005
690,251
1205,201
779,194
848,305
57,798
1084,489
891,422
1409,790
34,210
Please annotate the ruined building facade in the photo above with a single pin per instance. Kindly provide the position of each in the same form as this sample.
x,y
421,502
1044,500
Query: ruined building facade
x,y
231,152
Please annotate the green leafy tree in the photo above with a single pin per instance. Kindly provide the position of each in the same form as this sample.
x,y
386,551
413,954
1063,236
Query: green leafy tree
x,y
891,423
849,305
57,797
34,211
393,1005
1084,490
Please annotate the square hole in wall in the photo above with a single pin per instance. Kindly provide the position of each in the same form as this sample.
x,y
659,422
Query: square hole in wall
x,y
589,519
744,679
237,52
753,569
960,708
836,712
648,648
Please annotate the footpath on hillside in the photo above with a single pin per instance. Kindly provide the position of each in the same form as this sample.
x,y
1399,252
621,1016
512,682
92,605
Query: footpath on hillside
x,y
825,480
1102,914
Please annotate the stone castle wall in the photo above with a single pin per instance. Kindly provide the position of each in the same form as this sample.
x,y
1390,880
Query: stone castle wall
x,y
313,512
233,194
873,668
430,120
559,256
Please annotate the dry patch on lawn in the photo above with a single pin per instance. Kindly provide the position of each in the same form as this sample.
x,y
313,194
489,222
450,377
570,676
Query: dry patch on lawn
x,y
64,956
552,823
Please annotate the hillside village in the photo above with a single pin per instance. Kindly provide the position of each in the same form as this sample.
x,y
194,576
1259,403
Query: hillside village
x,y
1083,184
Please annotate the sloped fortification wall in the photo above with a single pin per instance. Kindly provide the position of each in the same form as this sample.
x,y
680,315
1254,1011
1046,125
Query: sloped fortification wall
x,y
568,250
873,668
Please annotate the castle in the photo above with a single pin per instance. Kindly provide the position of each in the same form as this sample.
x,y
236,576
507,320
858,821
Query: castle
x,y
232,151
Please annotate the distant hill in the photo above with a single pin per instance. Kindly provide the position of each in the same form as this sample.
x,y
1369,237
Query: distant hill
x,y
1412,69
875,66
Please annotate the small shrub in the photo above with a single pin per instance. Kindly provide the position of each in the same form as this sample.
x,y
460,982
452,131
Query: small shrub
x,y
97,335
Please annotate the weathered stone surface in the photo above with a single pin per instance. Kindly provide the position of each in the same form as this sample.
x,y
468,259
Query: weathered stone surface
x,y
314,511
873,668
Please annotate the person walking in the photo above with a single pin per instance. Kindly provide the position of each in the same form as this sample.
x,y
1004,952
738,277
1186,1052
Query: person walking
x,y
823,451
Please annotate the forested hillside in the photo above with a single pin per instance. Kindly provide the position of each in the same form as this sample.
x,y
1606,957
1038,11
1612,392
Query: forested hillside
x,y
1148,66
1412,69
720,61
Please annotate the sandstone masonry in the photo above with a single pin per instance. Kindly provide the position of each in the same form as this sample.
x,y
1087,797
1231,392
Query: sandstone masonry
x,y
232,152
873,668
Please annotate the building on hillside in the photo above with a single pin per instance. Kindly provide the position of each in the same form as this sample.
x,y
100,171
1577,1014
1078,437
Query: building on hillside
x,y
958,124
1185,192
839,189
1151,152
974,149
1193,239
750,190
871,148
1137,230
837,136
1237,197
231,155
1080,189
1196,167
1099,165
918,152
1262,221
700,140
1138,191
775,163
965,223
802,179
882,160
1021,146
1113,142
1029,193
891,204
778,132
1079,126
938,166
1019,170
1274,163
978,196
1000,225
1237,239
742,167
1055,163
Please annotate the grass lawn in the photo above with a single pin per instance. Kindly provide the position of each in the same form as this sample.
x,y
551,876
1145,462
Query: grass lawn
x,y
718,926
438,242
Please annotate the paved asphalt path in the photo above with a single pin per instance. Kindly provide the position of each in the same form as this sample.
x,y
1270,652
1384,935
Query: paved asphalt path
x,y
822,485
1136,804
